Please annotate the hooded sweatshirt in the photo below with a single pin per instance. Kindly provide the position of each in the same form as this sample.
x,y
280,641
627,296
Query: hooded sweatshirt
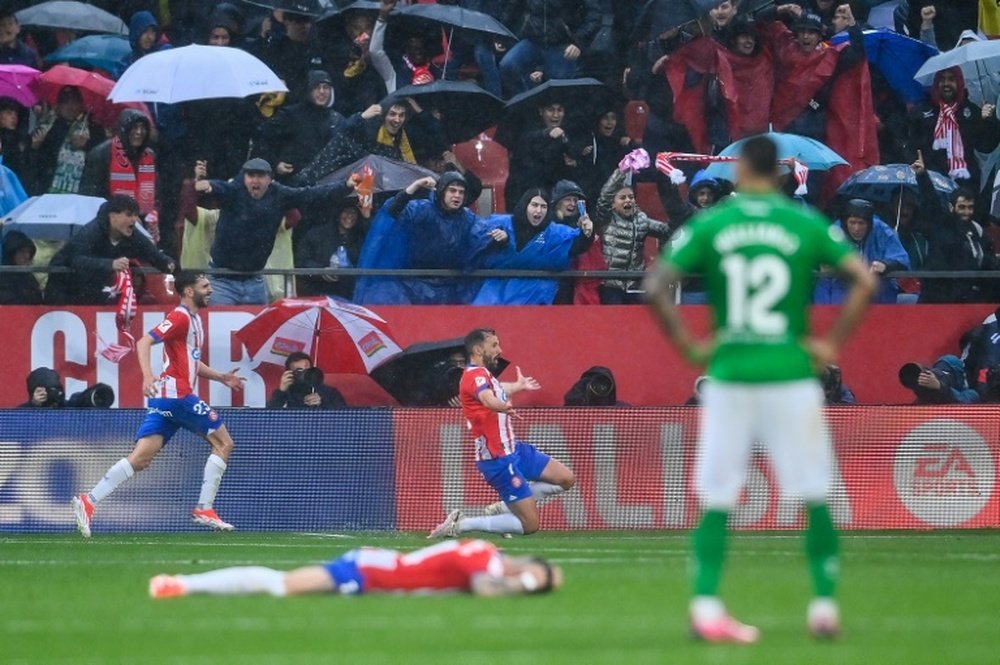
x,y
97,171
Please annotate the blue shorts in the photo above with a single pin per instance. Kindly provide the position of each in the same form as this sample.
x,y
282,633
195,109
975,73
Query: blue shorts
x,y
166,415
509,475
344,572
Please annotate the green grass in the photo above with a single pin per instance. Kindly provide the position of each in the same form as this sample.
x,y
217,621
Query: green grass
x,y
906,598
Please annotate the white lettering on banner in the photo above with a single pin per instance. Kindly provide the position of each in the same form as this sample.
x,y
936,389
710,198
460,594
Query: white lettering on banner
x,y
944,473
614,513
675,494
10,460
221,345
50,326
551,440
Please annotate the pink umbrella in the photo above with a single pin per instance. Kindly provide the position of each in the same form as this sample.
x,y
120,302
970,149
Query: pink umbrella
x,y
20,83
341,338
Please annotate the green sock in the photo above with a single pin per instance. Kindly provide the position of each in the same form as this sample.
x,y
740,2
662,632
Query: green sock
x,y
709,547
821,549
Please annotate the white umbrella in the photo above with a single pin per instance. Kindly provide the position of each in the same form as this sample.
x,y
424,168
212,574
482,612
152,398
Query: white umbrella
x,y
980,65
55,216
195,72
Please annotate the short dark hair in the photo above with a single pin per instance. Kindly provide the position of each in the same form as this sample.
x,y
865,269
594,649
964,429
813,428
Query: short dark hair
x,y
186,278
122,203
296,356
545,587
962,193
477,337
760,154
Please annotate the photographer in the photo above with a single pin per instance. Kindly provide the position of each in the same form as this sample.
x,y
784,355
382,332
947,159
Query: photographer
x,y
596,387
45,390
302,387
834,391
981,354
944,383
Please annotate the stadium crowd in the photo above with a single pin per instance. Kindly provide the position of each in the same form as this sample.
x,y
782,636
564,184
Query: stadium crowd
x,y
551,181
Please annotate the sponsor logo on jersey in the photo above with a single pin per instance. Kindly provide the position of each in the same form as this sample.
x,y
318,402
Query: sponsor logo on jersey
x,y
480,380
165,325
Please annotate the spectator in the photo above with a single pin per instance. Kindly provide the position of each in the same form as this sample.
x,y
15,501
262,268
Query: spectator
x,y
223,29
411,65
14,140
722,18
948,129
596,387
944,383
45,389
60,143
252,207
290,49
599,158
945,18
357,83
292,138
553,35
144,36
981,354
704,191
448,161
126,164
302,387
335,242
624,228
476,47
13,51
835,391
879,246
99,250
566,206
18,288
530,241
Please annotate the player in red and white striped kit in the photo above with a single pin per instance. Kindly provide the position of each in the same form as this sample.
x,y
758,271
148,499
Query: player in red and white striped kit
x,y
173,405
457,566
520,473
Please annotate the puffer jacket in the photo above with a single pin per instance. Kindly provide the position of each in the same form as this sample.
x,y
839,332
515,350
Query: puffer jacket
x,y
622,238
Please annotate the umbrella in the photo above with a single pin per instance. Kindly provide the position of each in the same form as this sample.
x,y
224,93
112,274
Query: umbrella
x,y
358,5
897,57
105,52
583,98
340,337
452,16
312,8
390,175
53,216
20,83
659,16
980,64
425,374
879,183
817,156
466,109
93,87
72,16
195,72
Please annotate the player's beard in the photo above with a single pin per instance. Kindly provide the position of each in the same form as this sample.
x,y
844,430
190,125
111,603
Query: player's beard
x,y
490,362
200,300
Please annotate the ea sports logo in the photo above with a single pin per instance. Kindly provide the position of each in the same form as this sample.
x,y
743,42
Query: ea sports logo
x,y
944,473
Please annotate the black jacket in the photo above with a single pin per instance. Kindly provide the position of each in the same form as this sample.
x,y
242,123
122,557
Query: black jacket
x,y
90,253
18,288
977,134
296,133
96,179
292,399
552,22
314,251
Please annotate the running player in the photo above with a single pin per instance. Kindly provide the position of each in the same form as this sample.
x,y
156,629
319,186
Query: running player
x,y
173,404
520,473
469,566
758,253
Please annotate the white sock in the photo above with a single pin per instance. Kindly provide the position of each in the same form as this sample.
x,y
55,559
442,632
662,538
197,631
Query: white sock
x,y
707,608
506,523
236,581
214,468
539,491
119,472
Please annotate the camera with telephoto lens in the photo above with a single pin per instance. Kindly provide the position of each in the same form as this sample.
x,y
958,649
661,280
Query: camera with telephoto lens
x,y
98,396
991,387
54,397
441,382
307,379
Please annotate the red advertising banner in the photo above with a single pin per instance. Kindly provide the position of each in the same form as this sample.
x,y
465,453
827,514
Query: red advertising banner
x,y
897,468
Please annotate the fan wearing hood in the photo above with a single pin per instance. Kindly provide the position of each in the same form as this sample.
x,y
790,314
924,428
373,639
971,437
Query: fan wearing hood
x,y
436,232
18,288
566,204
44,389
531,242
144,34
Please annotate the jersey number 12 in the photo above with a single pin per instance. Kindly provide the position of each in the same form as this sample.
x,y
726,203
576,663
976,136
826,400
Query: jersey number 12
x,y
753,288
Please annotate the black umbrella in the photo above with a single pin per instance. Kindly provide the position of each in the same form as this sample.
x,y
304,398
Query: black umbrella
x,y
466,109
390,175
658,16
584,100
426,373
357,5
311,8
452,16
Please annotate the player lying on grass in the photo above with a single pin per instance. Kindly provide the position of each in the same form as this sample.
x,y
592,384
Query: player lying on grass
x,y
467,566
520,473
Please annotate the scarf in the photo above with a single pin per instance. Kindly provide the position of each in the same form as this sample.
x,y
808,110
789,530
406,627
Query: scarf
x,y
125,312
664,164
948,137
138,180
405,151
421,73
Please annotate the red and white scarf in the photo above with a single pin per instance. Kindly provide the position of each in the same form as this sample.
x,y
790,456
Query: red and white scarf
x,y
664,164
948,137
421,73
125,313
136,180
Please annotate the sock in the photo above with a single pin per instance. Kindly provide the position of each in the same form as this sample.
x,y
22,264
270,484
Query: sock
x,y
707,608
506,523
821,550
119,472
214,468
709,549
236,581
539,490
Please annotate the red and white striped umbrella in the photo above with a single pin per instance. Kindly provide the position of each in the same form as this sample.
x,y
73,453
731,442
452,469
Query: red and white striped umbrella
x,y
340,337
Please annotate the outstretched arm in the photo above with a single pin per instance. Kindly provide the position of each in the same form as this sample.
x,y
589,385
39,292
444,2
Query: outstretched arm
x,y
229,379
523,383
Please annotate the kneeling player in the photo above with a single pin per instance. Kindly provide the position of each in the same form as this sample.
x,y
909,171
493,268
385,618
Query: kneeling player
x,y
520,473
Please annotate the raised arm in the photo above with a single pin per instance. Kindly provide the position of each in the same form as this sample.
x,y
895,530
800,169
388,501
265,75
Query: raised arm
x,y
376,50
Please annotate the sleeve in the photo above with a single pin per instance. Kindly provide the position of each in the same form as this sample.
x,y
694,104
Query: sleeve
x,y
222,190
584,35
173,327
91,182
602,215
687,252
297,197
474,382
380,61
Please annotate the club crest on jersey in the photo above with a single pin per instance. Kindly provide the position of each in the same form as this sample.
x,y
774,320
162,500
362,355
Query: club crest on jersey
x,y
196,354
480,380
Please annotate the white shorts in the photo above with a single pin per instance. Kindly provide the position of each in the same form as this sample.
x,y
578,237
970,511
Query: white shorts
x,y
787,417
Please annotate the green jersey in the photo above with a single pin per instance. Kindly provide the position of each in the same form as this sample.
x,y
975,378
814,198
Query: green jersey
x,y
758,254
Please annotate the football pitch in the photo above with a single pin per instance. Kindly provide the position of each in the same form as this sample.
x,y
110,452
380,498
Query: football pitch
x,y
905,598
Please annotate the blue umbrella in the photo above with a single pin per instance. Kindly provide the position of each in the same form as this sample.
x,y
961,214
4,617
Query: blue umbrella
x,y
104,52
879,183
817,156
897,57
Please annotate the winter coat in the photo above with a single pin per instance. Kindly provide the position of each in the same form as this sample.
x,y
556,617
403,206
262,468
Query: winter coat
x,y
977,134
554,22
138,24
314,251
97,170
623,238
881,244
296,134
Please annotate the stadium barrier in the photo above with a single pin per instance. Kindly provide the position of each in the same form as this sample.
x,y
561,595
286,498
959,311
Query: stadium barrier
x,y
897,468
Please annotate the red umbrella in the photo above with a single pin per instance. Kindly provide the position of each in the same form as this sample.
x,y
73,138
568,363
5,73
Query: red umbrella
x,y
94,89
341,338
